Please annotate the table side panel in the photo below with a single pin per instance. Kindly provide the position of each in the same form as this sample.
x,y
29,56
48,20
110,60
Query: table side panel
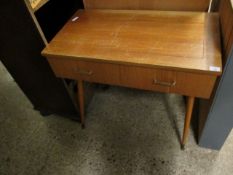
x,y
212,43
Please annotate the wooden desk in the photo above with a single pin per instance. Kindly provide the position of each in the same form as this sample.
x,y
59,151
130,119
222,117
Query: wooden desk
x,y
171,52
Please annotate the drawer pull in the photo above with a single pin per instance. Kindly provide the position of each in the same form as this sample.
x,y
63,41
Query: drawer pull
x,y
170,84
84,72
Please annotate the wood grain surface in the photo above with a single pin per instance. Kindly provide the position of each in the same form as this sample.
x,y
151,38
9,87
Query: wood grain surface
x,y
186,41
226,21
179,5
185,83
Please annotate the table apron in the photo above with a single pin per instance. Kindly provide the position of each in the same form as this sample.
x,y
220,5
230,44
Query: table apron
x,y
154,79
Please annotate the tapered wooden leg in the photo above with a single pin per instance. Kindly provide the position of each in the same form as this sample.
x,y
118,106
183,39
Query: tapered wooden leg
x,y
81,102
188,116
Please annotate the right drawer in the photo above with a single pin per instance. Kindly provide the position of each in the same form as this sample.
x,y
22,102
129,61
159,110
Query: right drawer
x,y
168,81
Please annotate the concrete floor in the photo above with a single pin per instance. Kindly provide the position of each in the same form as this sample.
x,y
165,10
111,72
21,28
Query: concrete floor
x,y
129,132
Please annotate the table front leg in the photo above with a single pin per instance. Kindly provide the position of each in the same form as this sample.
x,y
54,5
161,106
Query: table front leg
x,y
81,101
188,116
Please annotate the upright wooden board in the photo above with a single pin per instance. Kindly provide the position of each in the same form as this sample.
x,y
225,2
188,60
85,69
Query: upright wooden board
x,y
177,5
226,21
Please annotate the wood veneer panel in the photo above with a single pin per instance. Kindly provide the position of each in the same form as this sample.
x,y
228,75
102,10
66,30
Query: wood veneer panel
x,y
171,40
89,71
189,84
178,5
226,23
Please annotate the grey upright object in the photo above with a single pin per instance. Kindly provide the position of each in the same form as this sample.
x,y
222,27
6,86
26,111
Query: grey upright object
x,y
220,118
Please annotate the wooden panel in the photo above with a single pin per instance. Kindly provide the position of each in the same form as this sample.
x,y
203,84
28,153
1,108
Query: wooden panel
x,y
230,44
226,20
197,85
88,71
182,41
97,72
190,84
143,78
212,41
179,5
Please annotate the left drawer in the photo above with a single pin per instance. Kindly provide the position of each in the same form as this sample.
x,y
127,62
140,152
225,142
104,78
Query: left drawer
x,y
86,70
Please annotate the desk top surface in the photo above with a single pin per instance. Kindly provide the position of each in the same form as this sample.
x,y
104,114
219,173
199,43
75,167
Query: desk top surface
x,y
176,40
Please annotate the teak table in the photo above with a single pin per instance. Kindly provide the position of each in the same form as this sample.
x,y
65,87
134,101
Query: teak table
x,y
164,51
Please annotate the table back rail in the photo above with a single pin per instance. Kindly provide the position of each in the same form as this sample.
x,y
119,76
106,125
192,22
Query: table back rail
x,y
173,5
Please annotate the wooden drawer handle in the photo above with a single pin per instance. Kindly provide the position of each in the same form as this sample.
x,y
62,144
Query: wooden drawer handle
x,y
84,72
170,84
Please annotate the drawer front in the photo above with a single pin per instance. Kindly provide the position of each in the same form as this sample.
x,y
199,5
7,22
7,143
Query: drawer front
x,y
194,84
85,70
144,78
184,83
168,81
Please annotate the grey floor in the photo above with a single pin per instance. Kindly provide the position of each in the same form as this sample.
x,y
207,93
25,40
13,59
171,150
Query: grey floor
x,y
129,132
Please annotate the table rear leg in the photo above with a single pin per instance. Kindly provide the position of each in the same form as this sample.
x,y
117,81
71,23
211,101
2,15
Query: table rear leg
x,y
81,102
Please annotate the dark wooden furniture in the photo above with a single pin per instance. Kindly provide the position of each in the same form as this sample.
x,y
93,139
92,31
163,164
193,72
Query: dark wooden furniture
x,y
171,52
23,34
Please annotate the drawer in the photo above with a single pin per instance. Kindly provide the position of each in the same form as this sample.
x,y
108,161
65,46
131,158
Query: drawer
x,y
85,70
184,83
168,81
